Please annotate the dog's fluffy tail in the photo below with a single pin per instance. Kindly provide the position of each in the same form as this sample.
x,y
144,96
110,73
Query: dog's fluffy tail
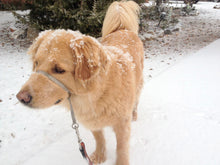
x,y
121,15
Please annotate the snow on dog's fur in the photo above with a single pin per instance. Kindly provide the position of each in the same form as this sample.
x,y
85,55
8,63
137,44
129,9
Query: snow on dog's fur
x,y
105,78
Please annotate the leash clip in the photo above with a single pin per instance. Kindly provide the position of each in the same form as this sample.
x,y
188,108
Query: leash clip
x,y
75,125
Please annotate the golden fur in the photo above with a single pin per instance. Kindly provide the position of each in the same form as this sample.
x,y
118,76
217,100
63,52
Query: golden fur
x,y
105,78
121,15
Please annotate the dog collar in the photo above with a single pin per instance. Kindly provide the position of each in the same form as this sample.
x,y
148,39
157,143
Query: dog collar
x,y
53,79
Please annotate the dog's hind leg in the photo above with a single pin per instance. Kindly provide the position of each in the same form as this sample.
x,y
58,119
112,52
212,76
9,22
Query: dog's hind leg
x,y
99,156
134,113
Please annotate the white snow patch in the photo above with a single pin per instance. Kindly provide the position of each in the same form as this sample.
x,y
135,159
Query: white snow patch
x,y
124,46
73,43
42,34
123,59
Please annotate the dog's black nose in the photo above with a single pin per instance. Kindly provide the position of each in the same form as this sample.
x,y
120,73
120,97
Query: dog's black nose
x,y
24,97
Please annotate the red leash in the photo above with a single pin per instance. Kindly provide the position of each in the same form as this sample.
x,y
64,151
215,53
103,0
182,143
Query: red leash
x,y
82,149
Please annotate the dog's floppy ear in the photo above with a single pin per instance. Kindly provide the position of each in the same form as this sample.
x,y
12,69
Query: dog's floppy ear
x,y
36,44
89,57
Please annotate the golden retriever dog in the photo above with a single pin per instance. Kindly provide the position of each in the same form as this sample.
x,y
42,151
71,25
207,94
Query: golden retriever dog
x,y
104,77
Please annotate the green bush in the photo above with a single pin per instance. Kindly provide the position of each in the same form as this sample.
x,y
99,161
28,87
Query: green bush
x,y
84,15
12,4
140,1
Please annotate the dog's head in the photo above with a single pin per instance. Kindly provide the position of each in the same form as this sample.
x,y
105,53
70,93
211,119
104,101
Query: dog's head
x,y
70,57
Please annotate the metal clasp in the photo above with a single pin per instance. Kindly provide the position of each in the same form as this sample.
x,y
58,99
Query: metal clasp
x,y
75,125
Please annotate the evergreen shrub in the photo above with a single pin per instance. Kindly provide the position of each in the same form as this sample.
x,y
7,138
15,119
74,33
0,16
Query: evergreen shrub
x,y
84,15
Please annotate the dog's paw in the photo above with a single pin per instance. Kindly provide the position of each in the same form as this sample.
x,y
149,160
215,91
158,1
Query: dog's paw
x,y
98,157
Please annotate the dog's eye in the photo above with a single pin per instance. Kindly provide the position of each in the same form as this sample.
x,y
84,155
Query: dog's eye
x,y
58,70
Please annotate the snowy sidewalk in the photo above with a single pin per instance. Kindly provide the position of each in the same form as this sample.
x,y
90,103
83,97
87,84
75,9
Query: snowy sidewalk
x,y
178,124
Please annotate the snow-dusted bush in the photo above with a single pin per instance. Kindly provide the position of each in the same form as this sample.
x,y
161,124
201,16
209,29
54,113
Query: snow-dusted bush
x,y
84,15
163,14
191,2
12,4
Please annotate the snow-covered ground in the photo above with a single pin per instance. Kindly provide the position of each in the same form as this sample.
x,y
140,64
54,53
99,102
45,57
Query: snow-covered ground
x,y
178,123
195,33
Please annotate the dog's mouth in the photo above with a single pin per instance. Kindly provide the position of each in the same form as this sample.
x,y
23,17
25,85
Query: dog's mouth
x,y
58,101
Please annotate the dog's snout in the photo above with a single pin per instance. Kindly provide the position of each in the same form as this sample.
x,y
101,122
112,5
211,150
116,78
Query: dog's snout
x,y
24,97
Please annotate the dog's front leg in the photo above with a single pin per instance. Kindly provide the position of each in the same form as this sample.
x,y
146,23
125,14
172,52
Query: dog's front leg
x,y
122,131
99,156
